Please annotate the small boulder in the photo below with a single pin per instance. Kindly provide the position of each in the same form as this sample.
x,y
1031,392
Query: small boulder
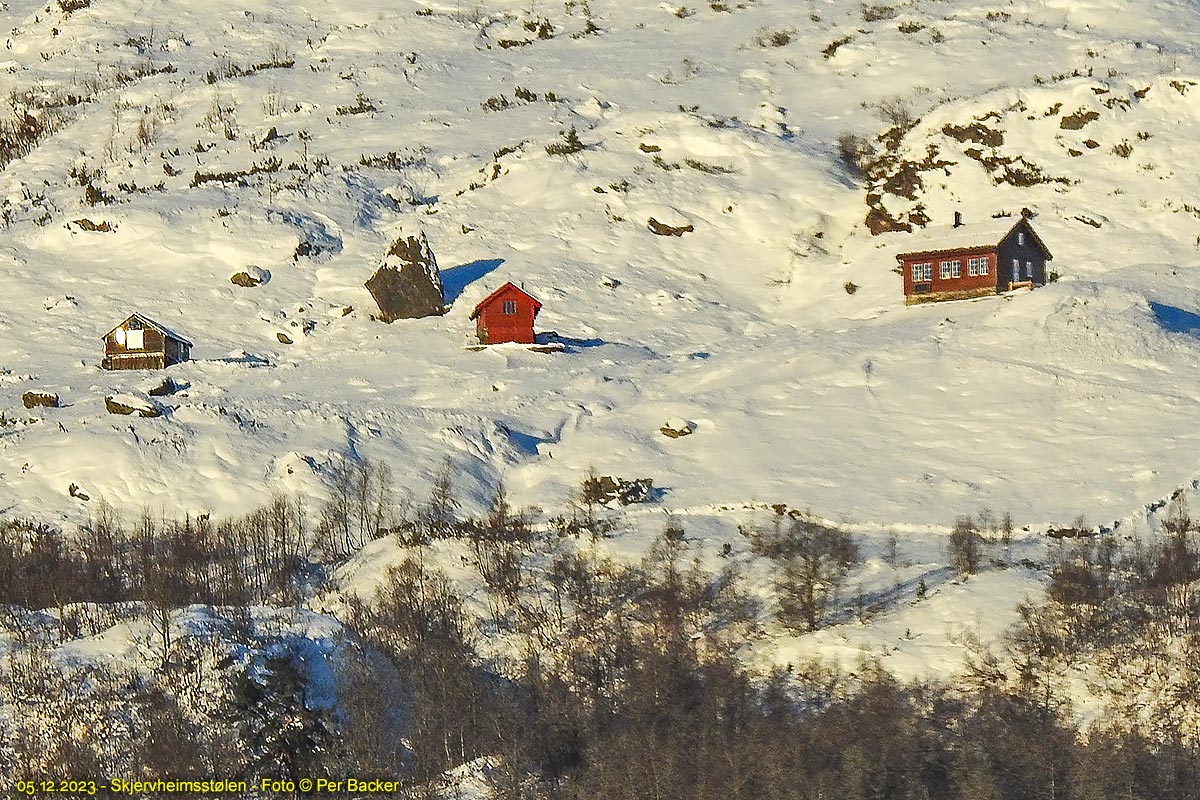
x,y
677,427
74,491
168,386
283,338
662,229
43,399
251,277
127,405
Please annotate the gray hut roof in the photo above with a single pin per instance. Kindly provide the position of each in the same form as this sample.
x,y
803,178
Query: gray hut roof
x,y
163,329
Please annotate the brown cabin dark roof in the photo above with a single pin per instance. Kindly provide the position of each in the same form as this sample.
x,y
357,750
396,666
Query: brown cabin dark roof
x,y
164,330
537,304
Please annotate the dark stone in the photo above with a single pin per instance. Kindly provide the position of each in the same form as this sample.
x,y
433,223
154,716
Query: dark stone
x,y
244,279
409,284
663,229
117,407
168,386
43,399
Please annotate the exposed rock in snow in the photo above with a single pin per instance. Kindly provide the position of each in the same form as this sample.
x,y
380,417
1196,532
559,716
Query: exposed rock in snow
x,y
409,284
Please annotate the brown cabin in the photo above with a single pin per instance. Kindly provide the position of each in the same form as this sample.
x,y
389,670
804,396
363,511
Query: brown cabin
x,y
506,315
963,261
141,343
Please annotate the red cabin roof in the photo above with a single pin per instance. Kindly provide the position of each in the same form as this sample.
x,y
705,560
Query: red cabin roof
x,y
491,298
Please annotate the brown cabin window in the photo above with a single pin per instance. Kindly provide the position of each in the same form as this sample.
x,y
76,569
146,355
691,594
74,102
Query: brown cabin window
x,y
134,340
509,308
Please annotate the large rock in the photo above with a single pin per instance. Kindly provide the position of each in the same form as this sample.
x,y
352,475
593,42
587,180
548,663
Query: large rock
x,y
408,285
44,399
128,404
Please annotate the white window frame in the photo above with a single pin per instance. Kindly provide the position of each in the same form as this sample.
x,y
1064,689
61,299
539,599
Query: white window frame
x,y
922,273
135,339
983,265
977,267
951,269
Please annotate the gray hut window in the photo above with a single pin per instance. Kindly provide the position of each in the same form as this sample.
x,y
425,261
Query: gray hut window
x,y
1020,237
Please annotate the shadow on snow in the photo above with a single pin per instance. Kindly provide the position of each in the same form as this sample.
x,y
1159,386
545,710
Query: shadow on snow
x,y
457,279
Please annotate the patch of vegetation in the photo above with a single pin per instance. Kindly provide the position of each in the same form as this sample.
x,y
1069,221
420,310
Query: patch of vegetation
x,y
392,160
69,7
976,132
850,286
540,26
1123,149
911,26
237,178
508,44
830,50
1077,120
878,13
362,105
711,169
768,37
570,144
497,103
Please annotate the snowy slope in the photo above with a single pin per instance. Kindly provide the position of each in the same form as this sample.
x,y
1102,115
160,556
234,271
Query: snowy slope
x,y
850,405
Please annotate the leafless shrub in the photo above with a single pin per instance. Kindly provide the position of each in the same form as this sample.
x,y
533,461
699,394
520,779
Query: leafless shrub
x,y
897,111
856,152
966,546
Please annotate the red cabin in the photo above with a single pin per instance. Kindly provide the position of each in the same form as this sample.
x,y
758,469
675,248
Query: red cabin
x,y
506,315
972,260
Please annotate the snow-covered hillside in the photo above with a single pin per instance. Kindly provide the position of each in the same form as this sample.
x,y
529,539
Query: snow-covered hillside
x,y
216,137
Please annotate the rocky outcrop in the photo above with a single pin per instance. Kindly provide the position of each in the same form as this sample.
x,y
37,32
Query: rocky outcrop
x,y
408,285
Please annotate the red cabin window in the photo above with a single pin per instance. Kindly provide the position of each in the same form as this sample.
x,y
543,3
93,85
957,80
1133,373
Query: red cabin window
x,y
509,308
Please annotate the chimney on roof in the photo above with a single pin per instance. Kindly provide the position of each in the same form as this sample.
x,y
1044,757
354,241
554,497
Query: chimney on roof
x,y
1026,213
958,223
